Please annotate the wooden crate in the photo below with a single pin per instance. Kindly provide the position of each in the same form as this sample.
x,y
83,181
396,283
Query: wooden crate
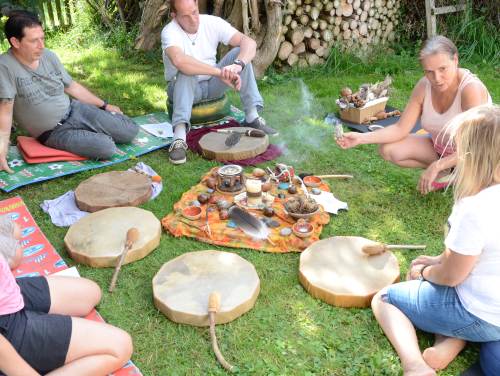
x,y
362,114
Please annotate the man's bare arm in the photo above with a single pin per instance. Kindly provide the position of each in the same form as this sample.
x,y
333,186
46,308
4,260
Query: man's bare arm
x,y
6,111
80,92
248,47
188,64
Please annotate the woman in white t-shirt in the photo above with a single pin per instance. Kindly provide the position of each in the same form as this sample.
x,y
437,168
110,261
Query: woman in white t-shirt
x,y
455,295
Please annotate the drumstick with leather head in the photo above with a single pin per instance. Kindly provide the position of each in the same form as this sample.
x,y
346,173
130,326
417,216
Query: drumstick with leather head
x,y
378,248
213,307
132,237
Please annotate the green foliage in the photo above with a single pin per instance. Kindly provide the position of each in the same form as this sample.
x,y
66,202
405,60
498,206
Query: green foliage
x,y
6,6
475,37
475,30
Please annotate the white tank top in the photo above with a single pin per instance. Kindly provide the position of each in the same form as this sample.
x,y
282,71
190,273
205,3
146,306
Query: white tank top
x,y
434,122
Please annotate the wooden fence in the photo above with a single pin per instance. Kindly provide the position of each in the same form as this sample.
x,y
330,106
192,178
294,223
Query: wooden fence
x,y
55,14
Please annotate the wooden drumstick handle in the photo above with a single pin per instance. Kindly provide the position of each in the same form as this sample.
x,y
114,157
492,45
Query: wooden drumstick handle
x,y
213,307
404,246
214,302
132,237
378,248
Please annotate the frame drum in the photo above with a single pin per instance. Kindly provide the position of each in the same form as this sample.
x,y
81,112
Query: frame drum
x,y
98,239
336,271
182,286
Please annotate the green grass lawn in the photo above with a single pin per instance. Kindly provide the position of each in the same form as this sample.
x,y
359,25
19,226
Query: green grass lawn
x,y
288,332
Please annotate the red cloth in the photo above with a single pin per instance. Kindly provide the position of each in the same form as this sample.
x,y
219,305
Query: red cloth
x,y
34,152
194,136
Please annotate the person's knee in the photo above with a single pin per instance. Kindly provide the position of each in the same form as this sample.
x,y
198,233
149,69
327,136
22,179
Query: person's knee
x,y
378,299
234,52
123,347
128,131
386,152
103,148
92,292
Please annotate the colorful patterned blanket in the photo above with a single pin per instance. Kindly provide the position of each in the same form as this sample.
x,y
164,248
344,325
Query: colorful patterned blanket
x,y
25,174
40,257
225,233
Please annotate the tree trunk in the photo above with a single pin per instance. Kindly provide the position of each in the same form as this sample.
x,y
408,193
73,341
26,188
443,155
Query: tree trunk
x,y
268,49
152,21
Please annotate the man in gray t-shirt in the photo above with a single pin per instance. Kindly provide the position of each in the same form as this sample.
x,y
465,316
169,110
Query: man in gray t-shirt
x,y
34,89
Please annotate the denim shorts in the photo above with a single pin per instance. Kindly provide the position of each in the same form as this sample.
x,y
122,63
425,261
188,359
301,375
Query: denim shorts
x,y
437,309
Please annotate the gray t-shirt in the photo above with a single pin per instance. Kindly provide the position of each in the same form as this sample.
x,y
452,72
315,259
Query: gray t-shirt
x,y
39,98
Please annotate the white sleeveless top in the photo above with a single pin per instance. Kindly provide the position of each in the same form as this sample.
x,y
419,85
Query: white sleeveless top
x,y
434,122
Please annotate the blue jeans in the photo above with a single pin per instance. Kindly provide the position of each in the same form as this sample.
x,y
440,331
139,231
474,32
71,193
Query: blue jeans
x,y
437,309
184,91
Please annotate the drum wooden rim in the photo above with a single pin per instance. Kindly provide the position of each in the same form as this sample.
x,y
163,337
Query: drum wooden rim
x,y
319,287
164,285
120,188
212,146
82,247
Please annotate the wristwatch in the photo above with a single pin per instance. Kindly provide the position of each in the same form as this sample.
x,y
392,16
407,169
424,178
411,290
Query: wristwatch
x,y
239,62
104,105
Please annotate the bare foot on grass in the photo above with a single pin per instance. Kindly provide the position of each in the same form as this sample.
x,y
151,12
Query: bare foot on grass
x,y
420,369
443,352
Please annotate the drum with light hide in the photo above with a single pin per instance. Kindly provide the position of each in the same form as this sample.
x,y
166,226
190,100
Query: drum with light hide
x,y
98,238
336,271
182,287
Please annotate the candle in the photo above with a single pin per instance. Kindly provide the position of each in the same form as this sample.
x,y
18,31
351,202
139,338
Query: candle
x,y
253,186
254,191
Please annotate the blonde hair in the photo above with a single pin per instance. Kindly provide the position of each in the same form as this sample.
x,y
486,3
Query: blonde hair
x,y
438,44
476,133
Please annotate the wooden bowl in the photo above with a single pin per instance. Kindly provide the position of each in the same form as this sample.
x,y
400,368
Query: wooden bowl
x,y
192,212
302,215
302,229
312,181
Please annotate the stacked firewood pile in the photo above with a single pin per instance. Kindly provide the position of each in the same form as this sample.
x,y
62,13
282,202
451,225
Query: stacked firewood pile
x,y
311,27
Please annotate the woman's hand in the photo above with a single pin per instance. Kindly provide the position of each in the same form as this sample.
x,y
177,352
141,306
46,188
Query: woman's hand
x,y
426,260
415,272
427,178
350,140
418,264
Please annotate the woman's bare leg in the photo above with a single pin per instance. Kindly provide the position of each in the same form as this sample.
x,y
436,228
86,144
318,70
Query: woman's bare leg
x,y
443,352
73,296
95,349
401,333
414,151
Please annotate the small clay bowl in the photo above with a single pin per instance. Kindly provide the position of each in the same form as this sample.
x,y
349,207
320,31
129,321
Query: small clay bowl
x,y
191,212
302,229
312,181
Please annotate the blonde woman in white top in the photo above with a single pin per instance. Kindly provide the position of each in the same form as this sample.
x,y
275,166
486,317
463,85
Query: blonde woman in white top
x,y
455,295
445,91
